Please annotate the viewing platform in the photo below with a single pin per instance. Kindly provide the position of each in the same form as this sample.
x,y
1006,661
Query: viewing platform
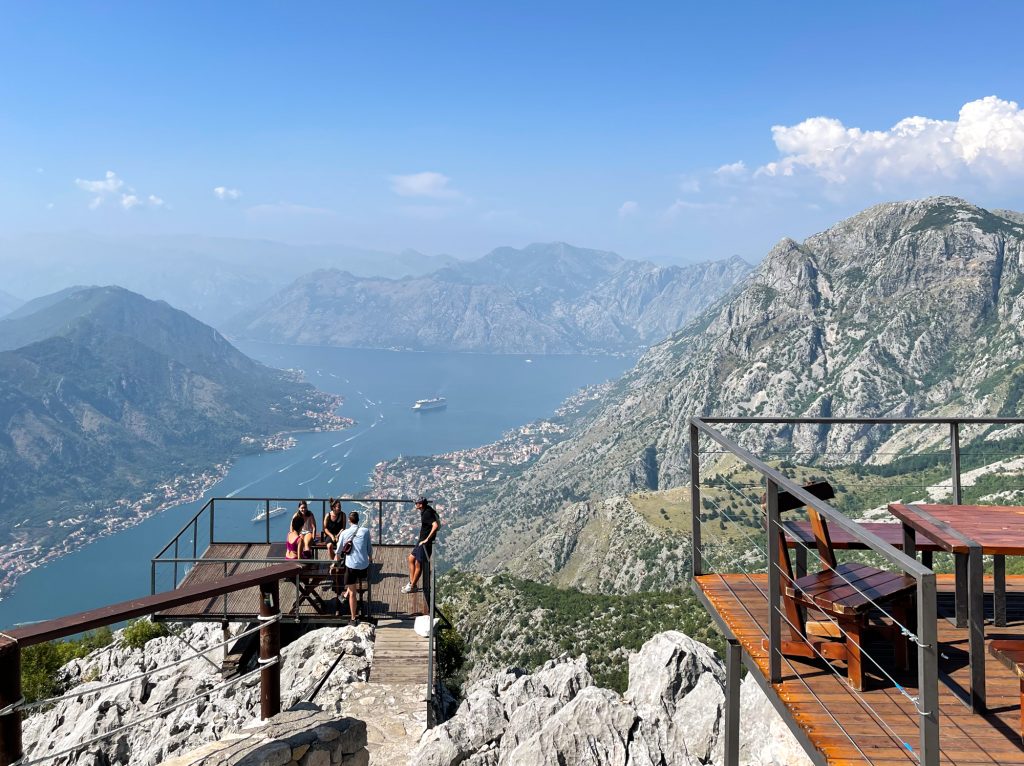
x,y
869,655
222,540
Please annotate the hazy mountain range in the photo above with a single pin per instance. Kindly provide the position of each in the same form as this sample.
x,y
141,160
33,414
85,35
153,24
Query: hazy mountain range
x,y
211,278
545,298
908,308
8,303
104,393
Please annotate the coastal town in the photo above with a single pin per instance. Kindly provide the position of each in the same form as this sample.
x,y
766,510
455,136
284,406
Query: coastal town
x,y
449,479
72,528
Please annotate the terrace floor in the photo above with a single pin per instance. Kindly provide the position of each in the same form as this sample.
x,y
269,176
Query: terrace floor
x,y
837,720
388,573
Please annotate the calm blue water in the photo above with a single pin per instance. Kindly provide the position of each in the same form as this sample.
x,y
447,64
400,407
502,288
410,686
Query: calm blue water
x,y
487,395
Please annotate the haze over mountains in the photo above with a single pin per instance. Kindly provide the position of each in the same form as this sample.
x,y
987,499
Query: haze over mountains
x,y
545,298
104,394
211,278
909,308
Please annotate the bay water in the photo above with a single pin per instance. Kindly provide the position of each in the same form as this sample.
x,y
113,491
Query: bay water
x,y
487,395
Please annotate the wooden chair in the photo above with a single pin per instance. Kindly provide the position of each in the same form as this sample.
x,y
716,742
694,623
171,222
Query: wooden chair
x,y
845,594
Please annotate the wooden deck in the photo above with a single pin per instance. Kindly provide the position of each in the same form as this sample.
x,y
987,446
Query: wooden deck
x,y
399,654
388,573
841,723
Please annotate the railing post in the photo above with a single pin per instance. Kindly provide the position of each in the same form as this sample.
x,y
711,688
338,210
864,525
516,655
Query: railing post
x,y
430,649
954,446
732,703
195,537
774,587
211,520
928,670
10,694
176,562
270,649
697,566
152,577
380,522
266,519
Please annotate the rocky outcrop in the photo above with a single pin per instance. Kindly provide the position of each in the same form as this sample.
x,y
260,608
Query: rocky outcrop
x,y
228,710
546,298
671,715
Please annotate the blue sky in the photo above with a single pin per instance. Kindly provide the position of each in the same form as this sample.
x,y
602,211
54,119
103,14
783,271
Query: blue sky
x,y
646,128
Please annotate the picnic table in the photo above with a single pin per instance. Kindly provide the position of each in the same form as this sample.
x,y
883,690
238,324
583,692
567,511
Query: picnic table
x,y
969,532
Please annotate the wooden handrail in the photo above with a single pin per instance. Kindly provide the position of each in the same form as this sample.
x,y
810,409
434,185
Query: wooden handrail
x,y
69,625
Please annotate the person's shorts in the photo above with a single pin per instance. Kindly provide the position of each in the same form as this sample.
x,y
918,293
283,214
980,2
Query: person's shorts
x,y
352,576
422,552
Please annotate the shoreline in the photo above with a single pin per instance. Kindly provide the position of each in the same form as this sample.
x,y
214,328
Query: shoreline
x,y
124,513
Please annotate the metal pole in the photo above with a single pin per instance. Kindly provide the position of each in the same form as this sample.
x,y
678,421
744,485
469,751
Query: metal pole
x,y
10,694
266,511
732,703
430,652
954,445
195,537
697,566
211,521
270,649
175,562
152,577
928,670
380,522
774,587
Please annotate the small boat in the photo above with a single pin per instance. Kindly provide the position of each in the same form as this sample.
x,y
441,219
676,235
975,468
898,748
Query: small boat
x,y
277,510
437,403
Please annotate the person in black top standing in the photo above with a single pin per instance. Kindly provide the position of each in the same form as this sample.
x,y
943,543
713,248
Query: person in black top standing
x,y
421,553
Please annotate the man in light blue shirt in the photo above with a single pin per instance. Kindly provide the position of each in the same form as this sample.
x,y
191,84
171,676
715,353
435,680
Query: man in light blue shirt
x,y
354,544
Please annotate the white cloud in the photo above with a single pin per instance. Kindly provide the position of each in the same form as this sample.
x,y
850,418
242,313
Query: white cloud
x,y
109,184
113,187
985,142
428,184
732,170
226,193
628,208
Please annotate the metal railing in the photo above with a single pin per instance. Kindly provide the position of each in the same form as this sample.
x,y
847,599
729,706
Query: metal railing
x,y
925,633
12,703
187,547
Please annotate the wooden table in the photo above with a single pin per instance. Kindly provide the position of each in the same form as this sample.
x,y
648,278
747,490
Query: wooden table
x,y
969,532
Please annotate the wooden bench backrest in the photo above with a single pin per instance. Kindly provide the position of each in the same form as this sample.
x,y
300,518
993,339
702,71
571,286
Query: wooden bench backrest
x,y
787,502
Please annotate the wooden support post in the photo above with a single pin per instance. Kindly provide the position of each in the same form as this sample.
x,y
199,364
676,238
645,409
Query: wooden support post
x,y
270,649
10,694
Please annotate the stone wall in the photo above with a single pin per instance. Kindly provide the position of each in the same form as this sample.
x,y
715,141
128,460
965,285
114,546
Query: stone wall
x,y
305,735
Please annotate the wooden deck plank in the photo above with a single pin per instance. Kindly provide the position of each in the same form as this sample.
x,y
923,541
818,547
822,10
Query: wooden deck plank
x,y
879,726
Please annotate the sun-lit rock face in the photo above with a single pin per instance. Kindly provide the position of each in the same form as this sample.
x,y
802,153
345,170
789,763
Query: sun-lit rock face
x,y
671,714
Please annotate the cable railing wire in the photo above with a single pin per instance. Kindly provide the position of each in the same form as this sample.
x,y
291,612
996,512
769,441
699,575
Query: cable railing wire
x,y
181,661
163,711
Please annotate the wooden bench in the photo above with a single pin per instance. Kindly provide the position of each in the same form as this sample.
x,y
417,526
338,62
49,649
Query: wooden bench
x,y
839,592
1010,652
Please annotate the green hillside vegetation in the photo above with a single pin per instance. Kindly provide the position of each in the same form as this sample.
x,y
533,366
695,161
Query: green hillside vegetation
x,y
511,622
112,394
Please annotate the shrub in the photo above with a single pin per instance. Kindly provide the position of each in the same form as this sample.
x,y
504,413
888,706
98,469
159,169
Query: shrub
x,y
40,663
142,631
